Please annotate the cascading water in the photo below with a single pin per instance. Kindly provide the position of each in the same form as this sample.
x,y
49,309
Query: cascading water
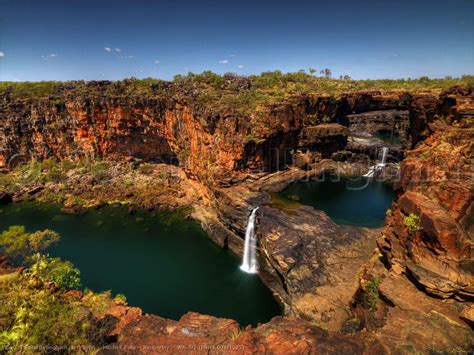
x,y
380,165
384,156
249,260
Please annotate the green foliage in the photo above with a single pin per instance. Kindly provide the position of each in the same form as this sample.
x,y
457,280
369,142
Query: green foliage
x,y
121,298
250,138
146,169
372,292
412,222
28,172
29,89
326,119
61,273
67,165
37,317
100,170
16,243
35,314
319,324
49,164
388,213
8,182
128,182
53,171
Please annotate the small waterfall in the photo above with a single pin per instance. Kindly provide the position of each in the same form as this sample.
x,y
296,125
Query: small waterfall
x,y
249,260
380,165
384,156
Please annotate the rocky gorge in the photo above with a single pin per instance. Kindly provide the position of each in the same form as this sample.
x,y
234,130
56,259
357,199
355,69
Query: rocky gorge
x,y
405,287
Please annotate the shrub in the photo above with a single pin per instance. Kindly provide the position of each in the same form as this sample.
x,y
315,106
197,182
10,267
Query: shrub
x,y
61,273
28,172
319,324
40,318
250,138
67,165
8,182
412,223
55,175
49,164
100,170
372,291
146,169
121,298
326,119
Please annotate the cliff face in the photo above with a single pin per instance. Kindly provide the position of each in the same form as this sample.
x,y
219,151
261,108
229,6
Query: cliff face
x,y
177,132
152,130
436,186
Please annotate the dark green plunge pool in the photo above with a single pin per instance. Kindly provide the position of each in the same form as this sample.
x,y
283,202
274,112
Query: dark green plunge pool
x,y
356,200
161,262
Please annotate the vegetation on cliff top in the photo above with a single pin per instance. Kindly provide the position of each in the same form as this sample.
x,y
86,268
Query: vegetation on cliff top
x,y
237,94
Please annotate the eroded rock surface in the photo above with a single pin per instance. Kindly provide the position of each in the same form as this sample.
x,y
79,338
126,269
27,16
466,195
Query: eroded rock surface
x,y
199,334
437,184
311,262
426,282
374,122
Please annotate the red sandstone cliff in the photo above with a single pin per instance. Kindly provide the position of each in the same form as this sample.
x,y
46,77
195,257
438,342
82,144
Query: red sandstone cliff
x,y
437,185
177,131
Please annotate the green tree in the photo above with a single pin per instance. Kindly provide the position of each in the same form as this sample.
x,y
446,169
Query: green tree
x,y
61,273
16,243
326,72
312,71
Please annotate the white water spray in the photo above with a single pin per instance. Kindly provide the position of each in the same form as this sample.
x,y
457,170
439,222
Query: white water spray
x,y
380,165
249,260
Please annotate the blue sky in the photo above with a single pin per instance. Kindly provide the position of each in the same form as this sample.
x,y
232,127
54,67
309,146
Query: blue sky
x,y
114,39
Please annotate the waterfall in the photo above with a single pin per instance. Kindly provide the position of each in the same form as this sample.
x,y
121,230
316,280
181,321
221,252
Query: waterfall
x,y
384,156
380,165
249,260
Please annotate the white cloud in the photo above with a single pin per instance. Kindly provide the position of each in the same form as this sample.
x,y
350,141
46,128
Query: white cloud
x,y
2,54
240,66
127,56
156,62
49,56
224,61
108,49
118,50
